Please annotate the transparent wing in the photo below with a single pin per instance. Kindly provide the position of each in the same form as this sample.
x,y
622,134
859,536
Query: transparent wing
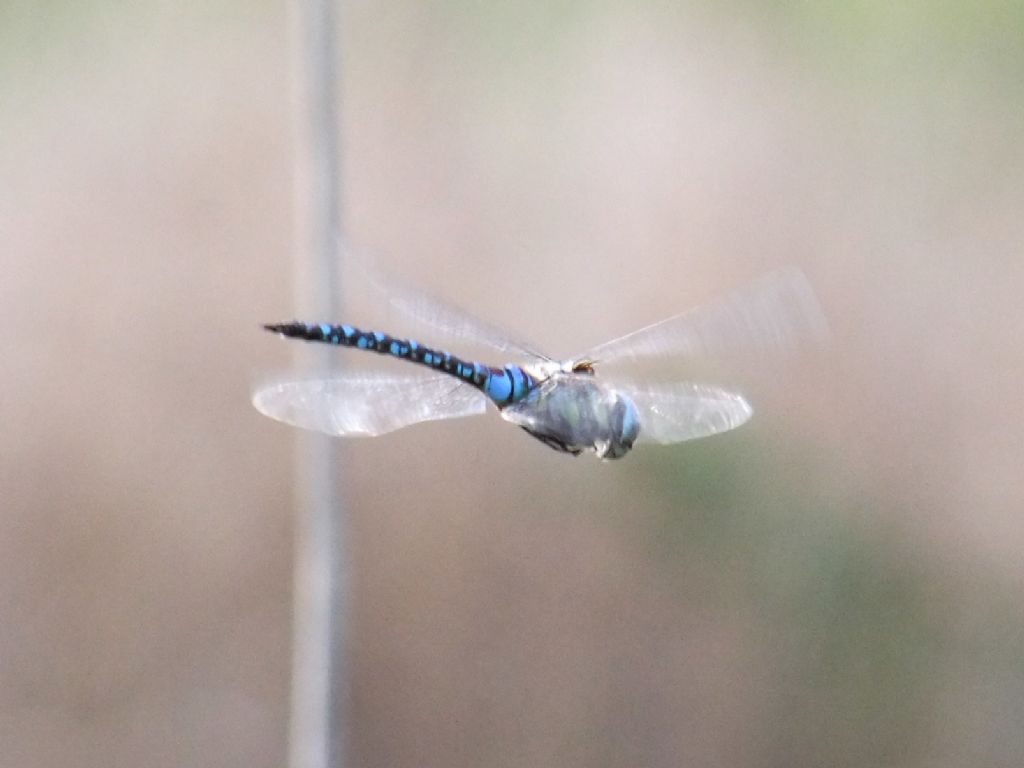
x,y
672,413
366,404
775,313
453,321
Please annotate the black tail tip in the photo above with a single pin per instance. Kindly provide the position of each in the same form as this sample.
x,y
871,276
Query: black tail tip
x,y
285,329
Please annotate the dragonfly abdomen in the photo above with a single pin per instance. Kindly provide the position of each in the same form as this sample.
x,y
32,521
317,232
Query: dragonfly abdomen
x,y
502,385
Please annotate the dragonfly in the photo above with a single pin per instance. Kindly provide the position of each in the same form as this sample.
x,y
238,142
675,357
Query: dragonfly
x,y
568,404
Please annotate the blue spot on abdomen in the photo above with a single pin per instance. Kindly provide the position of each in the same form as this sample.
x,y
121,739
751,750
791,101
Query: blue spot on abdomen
x,y
498,387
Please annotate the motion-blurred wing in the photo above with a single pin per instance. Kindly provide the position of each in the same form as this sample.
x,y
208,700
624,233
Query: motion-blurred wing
x,y
361,404
672,413
454,322
774,314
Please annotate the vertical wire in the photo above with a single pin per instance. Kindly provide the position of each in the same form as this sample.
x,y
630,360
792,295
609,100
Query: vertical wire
x,y
317,737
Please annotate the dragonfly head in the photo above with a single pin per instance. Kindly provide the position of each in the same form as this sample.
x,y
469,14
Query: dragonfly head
x,y
625,428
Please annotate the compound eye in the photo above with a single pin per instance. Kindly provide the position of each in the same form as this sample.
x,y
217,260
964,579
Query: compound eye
x,y
583,366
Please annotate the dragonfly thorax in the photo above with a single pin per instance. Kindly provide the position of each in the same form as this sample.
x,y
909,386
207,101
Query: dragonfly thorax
x,y
574,412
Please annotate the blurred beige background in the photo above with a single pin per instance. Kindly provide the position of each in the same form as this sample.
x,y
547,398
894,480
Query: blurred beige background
x,y
838,583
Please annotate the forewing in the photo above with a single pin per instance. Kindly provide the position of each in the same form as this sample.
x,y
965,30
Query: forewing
x,y
359,404
454,322
672,413
774,314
